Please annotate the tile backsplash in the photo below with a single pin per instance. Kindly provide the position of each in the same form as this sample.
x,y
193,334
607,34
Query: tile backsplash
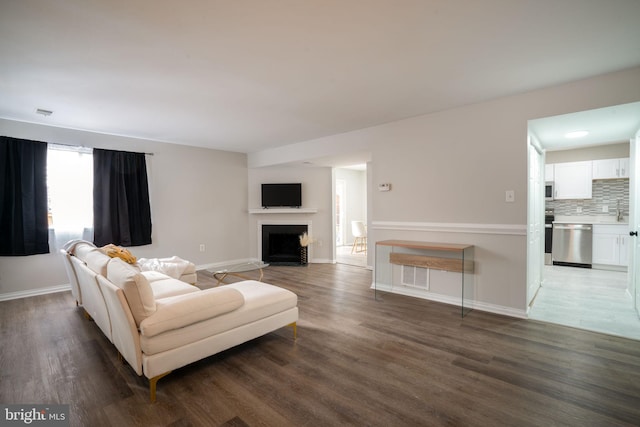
x,y
606,192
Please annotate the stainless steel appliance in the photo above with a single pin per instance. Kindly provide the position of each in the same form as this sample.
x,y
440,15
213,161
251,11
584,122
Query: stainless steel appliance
x,y
548,191
571,244
549,217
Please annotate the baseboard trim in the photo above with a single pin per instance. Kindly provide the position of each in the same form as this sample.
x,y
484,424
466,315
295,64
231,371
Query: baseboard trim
x,y
447,299
499,309
321,261
35,292
508,229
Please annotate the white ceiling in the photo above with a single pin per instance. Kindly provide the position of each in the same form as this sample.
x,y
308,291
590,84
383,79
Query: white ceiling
x,y
605,126
249,75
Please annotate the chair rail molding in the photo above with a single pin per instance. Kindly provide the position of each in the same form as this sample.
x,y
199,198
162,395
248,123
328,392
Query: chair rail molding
x,y
508,229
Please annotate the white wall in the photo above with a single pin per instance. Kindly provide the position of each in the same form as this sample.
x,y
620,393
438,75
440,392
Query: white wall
x,y
449,172
610,151
198,196
316,194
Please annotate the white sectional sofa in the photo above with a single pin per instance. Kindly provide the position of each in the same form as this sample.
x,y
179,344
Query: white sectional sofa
x,y
159,323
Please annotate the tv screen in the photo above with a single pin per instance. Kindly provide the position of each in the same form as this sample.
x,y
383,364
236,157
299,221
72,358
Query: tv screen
x,y
281,195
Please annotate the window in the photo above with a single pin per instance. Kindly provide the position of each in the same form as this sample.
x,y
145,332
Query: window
x,y
70,192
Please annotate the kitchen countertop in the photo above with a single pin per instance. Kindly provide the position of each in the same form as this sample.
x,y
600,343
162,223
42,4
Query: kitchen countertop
x,y
604,219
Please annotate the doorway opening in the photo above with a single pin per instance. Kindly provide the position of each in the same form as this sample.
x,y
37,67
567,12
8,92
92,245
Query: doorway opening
x,y
599,298
350,207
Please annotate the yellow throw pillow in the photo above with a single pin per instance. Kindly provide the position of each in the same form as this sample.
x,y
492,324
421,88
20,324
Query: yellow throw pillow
x,y
118,252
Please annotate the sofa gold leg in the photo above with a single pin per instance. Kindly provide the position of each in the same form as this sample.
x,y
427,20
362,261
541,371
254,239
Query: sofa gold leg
x,y
152,385
295,330
87,315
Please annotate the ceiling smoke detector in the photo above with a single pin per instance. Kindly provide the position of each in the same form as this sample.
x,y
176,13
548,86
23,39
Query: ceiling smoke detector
x,y
45,113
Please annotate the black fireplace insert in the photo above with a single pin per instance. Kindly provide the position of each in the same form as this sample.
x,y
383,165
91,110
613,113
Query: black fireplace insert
x,y
281,244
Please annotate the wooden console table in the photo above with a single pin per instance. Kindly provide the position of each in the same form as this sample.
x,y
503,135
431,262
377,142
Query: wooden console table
x,y
392,255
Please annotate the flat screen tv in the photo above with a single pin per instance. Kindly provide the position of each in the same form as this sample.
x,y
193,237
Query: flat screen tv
x,y
281,195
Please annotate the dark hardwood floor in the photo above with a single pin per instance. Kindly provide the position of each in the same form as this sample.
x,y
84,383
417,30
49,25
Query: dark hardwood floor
x,y
398,361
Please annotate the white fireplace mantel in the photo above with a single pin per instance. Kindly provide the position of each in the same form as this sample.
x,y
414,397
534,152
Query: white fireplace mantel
x,y
283,211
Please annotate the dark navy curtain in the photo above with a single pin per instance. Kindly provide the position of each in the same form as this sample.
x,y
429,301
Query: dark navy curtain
x,y
24,228
121,209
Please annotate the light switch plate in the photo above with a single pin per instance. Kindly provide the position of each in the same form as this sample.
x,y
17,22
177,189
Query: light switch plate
x,y
509,196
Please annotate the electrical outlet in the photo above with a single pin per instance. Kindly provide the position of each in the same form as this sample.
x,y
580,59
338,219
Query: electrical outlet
x,y
579,209
605,208
202,247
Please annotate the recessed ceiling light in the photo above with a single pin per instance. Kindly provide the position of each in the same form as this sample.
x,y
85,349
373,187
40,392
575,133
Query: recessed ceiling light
x,y
44,112
576,134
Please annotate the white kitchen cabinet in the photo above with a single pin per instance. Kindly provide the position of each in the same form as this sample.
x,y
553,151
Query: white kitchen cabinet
x,y
611,244
611,168
625,246
572,180
624,168
606,249
548,173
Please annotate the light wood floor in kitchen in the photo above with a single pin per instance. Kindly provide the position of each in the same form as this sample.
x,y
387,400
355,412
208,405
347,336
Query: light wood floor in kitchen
x,y
595,300
397,361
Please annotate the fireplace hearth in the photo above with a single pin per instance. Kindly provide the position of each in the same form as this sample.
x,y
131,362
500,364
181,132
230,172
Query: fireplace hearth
x,y
281,244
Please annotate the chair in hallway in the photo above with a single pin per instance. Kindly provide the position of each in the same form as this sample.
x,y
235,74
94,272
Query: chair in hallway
x,y
359,232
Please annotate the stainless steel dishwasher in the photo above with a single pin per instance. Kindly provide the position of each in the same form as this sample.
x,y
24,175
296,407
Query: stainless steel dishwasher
x,y
571,244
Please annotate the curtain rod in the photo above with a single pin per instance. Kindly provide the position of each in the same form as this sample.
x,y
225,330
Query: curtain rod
x,y
82,146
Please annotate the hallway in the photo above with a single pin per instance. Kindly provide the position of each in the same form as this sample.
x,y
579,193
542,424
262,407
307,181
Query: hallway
x,y
344,256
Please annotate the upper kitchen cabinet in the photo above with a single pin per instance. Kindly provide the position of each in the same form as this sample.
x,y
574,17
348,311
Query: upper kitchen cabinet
x,y
548,173
611,168
572,180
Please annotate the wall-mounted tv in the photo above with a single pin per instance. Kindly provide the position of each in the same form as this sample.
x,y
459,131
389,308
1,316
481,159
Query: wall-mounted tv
x,y
281,195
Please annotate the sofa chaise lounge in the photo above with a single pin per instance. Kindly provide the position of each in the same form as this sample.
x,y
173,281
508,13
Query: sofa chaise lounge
x,y
159,323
